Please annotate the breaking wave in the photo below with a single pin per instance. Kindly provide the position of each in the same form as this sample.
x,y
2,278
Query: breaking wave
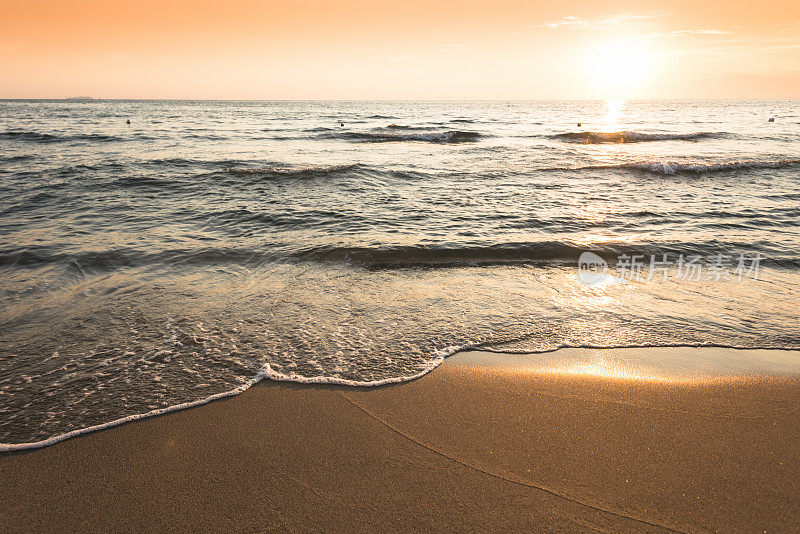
x,y
670,168
596,138
449,136
288,172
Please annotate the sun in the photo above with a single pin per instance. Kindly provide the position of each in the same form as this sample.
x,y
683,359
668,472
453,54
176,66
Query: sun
x,y
618,69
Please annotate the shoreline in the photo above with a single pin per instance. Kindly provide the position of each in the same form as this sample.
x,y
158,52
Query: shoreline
x,y
627,363
467,446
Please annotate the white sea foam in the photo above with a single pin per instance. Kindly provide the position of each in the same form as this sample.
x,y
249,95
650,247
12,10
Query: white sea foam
x,y
8,447
266,372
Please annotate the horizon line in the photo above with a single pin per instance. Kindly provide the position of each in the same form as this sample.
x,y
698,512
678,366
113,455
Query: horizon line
x,y
87,99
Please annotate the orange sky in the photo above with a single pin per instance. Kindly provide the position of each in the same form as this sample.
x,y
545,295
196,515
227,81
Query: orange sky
x,y
409,49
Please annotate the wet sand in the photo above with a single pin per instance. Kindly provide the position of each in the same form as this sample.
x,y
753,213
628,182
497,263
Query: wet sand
x,y
467,447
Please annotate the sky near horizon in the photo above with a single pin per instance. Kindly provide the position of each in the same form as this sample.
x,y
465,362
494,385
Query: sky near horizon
x,y
409,49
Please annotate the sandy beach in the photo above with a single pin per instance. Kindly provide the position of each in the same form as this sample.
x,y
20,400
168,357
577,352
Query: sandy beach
x,y
466,447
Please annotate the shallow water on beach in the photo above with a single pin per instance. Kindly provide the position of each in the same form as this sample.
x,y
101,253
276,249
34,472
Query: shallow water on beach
x,y
211,244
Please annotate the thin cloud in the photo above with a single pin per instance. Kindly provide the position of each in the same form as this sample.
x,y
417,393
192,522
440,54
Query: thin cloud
x,y
677,33
603,23
680,33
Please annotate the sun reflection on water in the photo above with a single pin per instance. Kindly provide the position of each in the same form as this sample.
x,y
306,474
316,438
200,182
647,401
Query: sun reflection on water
x,y
614,109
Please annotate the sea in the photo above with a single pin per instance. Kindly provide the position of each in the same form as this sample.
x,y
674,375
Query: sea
x,y
156,255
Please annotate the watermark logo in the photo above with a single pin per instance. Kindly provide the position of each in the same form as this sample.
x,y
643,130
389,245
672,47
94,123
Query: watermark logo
x,y
594,270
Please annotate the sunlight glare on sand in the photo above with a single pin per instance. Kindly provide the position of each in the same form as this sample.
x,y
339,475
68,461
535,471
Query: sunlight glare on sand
x,y
604,367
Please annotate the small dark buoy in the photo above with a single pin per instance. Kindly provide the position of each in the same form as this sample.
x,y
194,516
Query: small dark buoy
x,y
341,124
772,119
579,125
128,121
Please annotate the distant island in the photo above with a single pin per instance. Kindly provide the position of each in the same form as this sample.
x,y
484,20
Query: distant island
x,y
80,99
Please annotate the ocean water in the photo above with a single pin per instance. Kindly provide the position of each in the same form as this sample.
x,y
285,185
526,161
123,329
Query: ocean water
x,y
208,245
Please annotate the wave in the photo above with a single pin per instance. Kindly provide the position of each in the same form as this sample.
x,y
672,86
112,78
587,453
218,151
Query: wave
x,y
106,260
448,136
41,137
310,172
207,137
186,162
15,158
313,171
238,220
535,253
323,171
440,256
378,257
670,168
594,138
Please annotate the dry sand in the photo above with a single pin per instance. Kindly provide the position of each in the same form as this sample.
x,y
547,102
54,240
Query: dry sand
x,y
464,448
